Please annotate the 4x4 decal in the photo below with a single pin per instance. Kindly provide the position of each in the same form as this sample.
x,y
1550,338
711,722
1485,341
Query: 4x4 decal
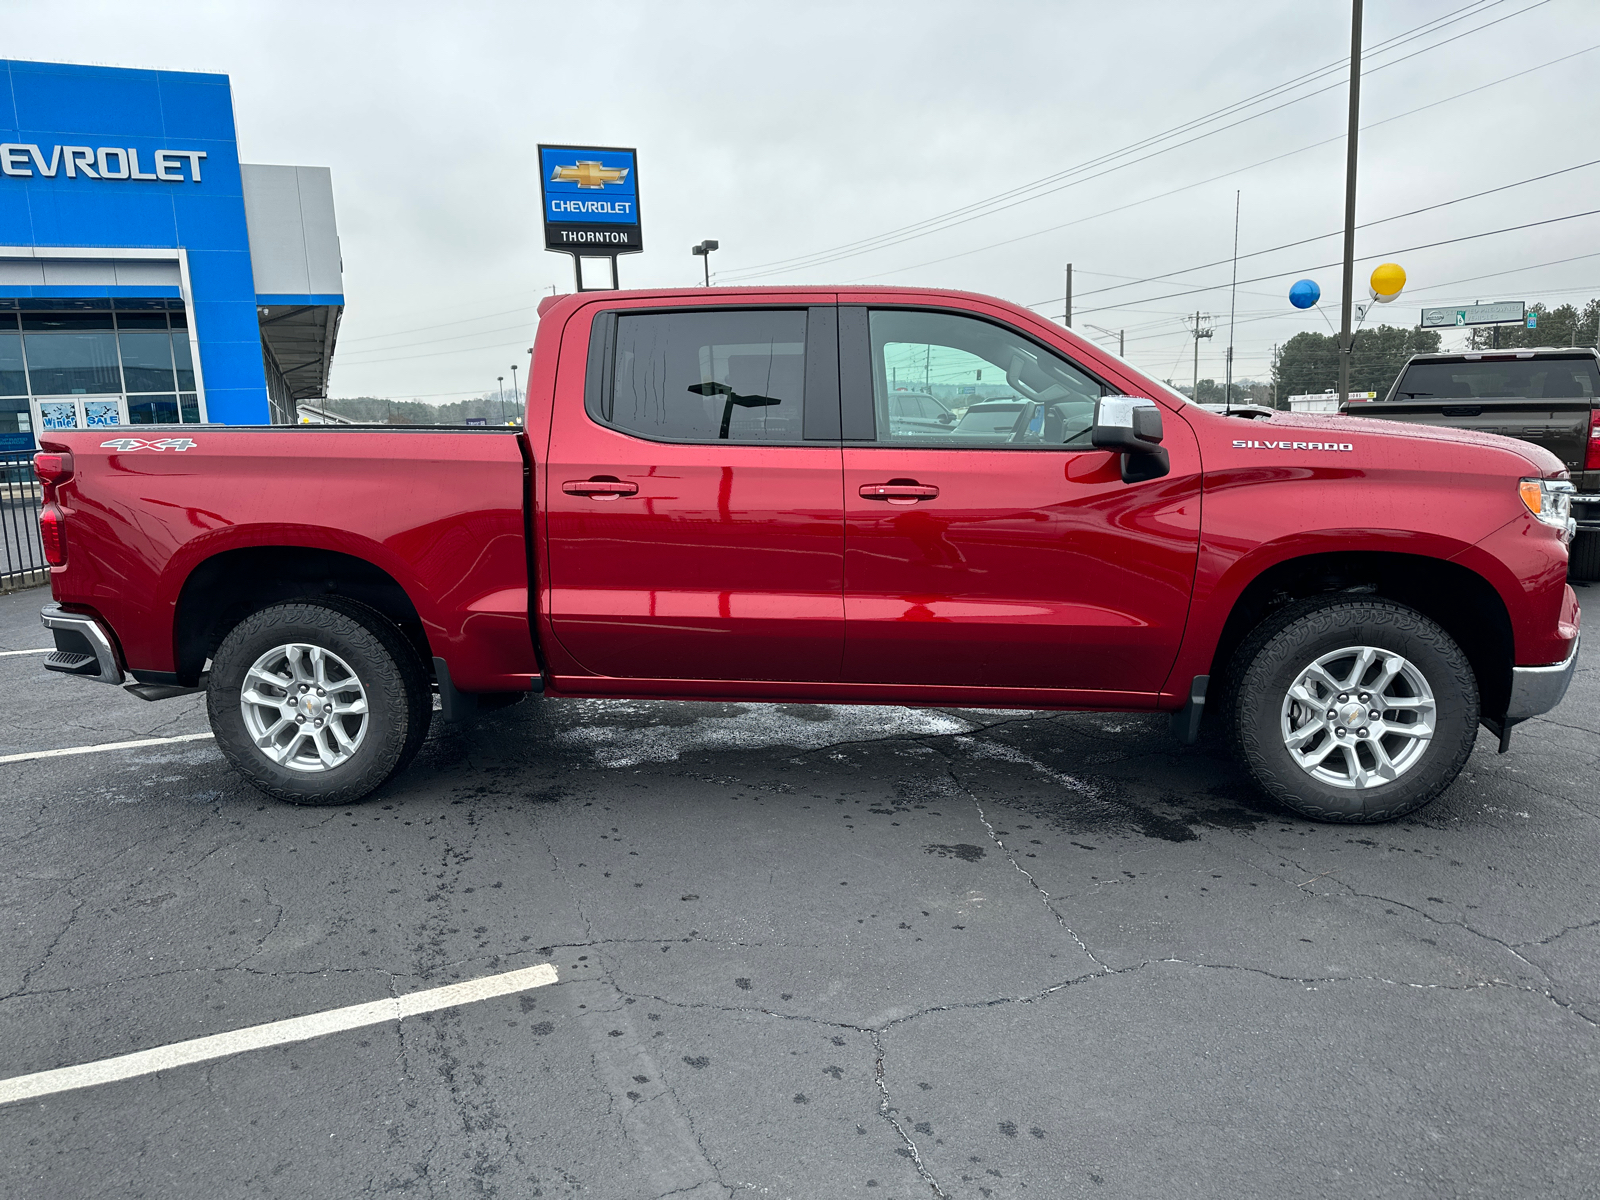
x,y
127,444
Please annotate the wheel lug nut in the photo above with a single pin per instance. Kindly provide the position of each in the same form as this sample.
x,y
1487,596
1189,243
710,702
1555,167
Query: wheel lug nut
x,y
1338,733
1364,697
1373,714
1343,696
1362,732
1332,714
320,692
327,708
319,724
300,720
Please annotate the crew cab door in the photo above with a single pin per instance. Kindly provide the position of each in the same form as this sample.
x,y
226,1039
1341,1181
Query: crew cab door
x,y
694,522
1003,551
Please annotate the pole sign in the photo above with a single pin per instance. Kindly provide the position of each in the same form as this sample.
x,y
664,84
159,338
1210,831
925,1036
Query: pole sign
x,y
1507,312
591,200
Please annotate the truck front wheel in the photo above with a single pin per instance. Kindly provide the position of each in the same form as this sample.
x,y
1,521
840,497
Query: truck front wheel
x,y
317,701
1357,710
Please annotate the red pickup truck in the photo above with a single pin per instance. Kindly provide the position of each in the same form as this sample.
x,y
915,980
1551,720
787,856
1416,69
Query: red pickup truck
x,y
713,497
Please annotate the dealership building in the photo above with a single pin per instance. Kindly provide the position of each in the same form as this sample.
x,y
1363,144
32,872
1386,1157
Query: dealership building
x,y
147,276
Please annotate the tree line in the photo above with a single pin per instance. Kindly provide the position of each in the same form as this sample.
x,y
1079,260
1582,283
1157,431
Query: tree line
x,y
1308,363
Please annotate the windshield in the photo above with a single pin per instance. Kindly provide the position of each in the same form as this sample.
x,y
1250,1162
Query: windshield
x,y
1505,379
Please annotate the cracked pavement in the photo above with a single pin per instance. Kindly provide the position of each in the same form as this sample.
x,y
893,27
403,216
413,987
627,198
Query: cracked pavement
x,y
803,951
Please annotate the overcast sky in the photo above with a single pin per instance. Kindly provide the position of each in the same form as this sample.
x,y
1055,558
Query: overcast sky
x,y
788,129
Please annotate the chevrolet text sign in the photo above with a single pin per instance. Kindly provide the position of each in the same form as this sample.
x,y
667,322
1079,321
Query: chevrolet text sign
x,y
25,160
591,200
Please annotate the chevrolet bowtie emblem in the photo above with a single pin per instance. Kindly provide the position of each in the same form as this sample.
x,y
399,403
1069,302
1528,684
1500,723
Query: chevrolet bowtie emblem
x,y
589,175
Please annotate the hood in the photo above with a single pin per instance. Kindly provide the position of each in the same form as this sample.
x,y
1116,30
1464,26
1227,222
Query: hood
x,y
1320,424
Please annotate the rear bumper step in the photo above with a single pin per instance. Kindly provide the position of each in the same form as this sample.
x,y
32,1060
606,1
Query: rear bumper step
x,y
83,647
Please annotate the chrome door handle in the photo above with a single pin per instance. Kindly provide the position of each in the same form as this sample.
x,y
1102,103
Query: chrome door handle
x,y
599,489
899,492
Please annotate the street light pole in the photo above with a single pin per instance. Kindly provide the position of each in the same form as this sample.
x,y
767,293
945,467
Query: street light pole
x,y
703,250
501,380
1350,202
516,399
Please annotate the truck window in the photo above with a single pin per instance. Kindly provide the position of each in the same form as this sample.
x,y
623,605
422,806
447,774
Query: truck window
x,y
1505,379
727,376
1015,393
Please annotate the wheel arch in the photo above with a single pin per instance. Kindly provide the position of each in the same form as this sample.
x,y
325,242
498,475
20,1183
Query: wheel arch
x,y
224,589
1459,600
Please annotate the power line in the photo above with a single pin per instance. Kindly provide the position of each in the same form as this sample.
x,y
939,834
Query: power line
x,y
1337,232
1362,258
1214,178
993,204
925,226
456,337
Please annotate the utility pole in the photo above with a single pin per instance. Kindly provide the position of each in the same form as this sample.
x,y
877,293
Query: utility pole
x,y
1227,385
1350,201
1121,343
1067,318
1202,329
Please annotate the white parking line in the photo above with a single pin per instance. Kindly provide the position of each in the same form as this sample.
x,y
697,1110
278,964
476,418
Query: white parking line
x,y
275,1033
142,742
40,650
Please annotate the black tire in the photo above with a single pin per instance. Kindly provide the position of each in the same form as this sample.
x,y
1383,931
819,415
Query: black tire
x,y
1270,662
399,700
1583,561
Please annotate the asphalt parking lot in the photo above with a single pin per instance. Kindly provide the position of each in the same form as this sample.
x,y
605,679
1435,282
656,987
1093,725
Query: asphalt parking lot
x,y
802,951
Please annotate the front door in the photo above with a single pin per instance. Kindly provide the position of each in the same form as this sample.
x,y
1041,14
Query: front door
x,y
694,518
1001,550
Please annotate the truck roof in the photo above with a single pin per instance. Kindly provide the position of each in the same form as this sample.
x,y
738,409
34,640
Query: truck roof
x,y
1508,352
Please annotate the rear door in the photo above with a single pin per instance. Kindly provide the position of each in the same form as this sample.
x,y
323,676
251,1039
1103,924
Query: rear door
x,y
1002,551
695,527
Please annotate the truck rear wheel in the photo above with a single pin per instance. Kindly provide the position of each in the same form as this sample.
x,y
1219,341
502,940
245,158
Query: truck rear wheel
x,y
1584,560
317,701
1357,710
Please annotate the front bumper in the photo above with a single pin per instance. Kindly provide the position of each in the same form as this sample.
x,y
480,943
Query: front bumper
x,y
83,647
1586,511
1536,690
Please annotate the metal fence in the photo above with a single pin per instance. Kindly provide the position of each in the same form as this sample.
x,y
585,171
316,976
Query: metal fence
x,y
21,556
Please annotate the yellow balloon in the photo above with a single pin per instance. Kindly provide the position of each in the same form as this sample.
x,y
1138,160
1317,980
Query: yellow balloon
x,y
1388,279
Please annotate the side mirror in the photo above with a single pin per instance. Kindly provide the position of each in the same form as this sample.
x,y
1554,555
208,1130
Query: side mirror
x,y
1132,425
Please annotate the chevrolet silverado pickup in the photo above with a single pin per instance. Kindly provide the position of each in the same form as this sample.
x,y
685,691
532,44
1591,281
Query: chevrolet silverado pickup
x,y
712,497
1549,396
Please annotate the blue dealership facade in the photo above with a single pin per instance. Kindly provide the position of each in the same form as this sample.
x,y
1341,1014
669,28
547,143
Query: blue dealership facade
x,y
146,275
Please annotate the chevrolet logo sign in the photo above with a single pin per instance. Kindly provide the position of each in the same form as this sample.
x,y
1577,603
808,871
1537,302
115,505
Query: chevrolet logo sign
x,y
589,175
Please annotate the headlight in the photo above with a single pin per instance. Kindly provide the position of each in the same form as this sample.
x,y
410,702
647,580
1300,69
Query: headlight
x,y
1550,500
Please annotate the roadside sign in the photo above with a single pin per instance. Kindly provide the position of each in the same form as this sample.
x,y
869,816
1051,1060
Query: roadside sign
x,y
1507,312
1533,320
590,196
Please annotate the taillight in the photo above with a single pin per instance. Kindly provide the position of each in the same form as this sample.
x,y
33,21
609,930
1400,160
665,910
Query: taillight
x,y
53,535
52,468
1591,460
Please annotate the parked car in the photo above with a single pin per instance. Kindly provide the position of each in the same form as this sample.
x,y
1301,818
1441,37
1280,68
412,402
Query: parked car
x,y
710,500
1548,396
918,411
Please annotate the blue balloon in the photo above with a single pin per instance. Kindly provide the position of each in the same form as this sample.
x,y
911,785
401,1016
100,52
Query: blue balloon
x,y
1304,293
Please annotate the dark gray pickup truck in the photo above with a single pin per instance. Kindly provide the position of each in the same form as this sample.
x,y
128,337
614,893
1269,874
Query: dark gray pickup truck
x,y
1548,396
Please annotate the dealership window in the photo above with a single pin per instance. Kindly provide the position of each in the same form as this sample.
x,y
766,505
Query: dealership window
x,y
62,368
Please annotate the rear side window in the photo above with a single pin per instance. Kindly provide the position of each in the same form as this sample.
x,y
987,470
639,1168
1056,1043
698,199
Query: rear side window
x,y
734,375
1505,379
